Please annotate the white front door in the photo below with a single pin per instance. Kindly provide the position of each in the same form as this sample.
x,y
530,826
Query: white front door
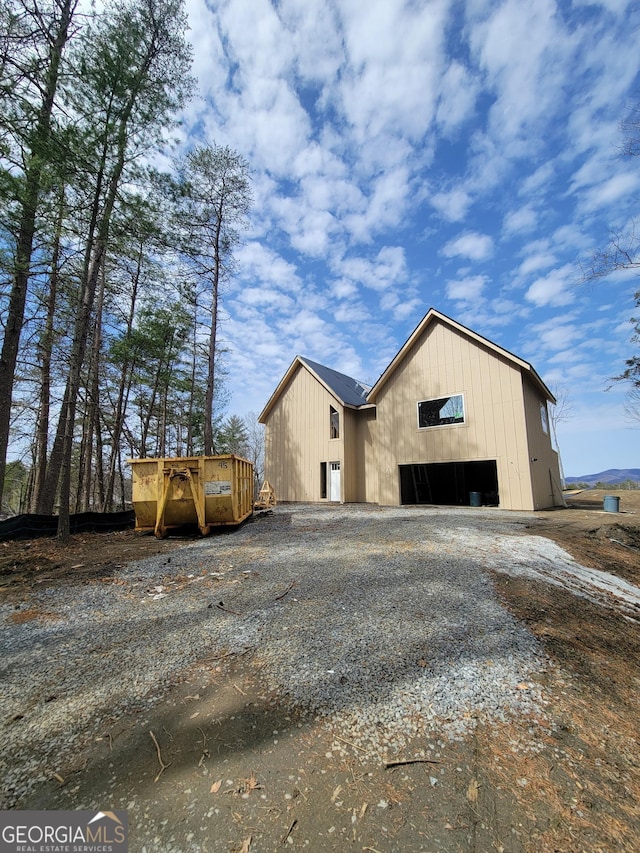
x,y
334,483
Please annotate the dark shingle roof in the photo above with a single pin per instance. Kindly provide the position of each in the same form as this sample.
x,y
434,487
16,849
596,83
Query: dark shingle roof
x,y
346,389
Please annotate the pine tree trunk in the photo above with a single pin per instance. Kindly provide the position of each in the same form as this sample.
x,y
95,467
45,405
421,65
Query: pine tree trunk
x,y
92,406
81,327
209,449
123,394
46,349
24,245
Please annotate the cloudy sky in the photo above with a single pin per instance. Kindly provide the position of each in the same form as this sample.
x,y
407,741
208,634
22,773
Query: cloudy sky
x,y
460,155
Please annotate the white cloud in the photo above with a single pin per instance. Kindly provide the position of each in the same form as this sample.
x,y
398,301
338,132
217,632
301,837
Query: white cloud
x,y
350,313
526,54
538,179
406,308
395,55
557,335
343,288
466,289
258,263
522,220
569,237
268,124
452,205
313,30
385,271
208,52
458,93
476,247
535,262
508,307
263,297
610,191
256,39
554,288
388,199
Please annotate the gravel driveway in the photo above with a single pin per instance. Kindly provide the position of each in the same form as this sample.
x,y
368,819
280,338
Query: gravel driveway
x,y
381,620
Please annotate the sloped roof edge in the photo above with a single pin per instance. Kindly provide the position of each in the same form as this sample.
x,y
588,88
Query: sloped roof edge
x,y
346,390
280,387
433,315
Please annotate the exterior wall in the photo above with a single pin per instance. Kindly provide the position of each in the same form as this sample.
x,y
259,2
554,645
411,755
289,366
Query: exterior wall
x,y
543,459
441,363
350,473
366,460
297,439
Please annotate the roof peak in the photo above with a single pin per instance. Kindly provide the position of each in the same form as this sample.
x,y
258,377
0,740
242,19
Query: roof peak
x,y
348,390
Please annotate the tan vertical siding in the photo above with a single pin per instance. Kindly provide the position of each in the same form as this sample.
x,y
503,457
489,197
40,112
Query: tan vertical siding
x,y
441,363
367,456
297,439
502,423
350,473
545,469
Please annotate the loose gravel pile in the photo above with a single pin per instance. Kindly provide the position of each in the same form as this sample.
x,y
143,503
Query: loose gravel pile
x,y
380,620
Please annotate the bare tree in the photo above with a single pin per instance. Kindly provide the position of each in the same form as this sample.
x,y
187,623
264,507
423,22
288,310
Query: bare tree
x,y
632,405
255,447
623,251
560,412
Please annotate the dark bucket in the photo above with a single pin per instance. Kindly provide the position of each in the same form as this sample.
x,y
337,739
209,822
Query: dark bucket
x,y
475,498
611,503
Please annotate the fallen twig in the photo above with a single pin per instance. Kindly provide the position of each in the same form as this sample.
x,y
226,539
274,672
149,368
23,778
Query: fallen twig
x,y
348,742
205,751
163,766
286,592
624,545
293,825
389,764
107,736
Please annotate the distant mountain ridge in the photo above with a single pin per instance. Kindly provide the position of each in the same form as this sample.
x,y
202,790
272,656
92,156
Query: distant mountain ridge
x,y
612,475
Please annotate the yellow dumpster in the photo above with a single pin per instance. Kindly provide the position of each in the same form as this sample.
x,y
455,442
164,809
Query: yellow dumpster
x,y
204,490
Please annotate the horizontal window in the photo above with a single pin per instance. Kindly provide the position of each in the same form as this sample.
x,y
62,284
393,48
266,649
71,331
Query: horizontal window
x,y
440,412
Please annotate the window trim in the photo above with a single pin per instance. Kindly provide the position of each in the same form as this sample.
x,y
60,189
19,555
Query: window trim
x,y
334,412
442,397
544,418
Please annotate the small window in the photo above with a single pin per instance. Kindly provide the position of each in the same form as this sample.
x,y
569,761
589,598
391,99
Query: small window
x,y
544,419
440,412
323,479
334,423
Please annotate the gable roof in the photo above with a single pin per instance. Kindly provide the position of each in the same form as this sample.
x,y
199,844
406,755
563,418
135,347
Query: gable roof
x,y
353,394
347,391
433,316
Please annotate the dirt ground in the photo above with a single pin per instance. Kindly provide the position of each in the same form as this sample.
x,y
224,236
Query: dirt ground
x,y
272,781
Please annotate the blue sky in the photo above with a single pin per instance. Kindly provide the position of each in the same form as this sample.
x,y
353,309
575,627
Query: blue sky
x,y
405,155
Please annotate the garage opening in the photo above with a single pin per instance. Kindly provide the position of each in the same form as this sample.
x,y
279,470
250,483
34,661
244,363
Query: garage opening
x,y
450,483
